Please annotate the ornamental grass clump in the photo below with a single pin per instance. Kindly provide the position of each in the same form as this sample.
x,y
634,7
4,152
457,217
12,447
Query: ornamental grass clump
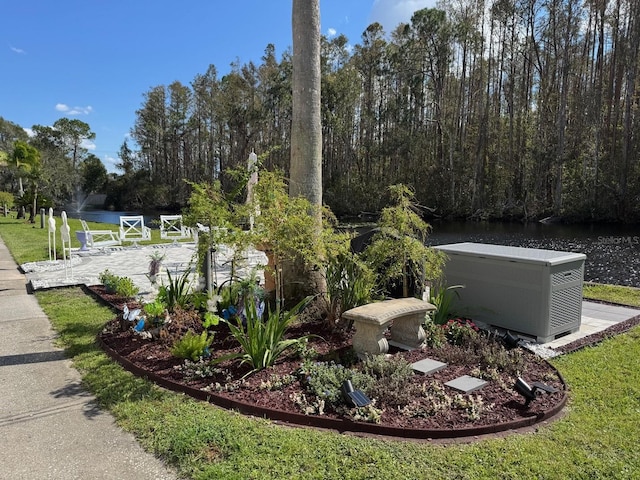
x,y
177,293
349,284
262,342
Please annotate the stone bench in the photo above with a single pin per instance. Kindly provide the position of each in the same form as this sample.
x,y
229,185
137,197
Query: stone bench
x,y
404,316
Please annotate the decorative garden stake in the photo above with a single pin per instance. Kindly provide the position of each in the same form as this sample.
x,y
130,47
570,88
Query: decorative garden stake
x,y
530,392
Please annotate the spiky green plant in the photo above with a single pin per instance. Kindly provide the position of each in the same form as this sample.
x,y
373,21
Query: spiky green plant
x,y
261,341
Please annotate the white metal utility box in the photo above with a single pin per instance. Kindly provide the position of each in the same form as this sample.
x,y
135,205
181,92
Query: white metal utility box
x,y
527,290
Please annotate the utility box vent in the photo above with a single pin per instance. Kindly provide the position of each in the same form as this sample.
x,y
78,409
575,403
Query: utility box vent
x,y
526,290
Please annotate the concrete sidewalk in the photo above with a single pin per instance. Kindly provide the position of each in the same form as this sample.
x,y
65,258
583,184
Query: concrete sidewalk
x,y
50,427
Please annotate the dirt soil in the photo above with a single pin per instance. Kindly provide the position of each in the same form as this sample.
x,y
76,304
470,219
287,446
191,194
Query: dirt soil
x,y
501,402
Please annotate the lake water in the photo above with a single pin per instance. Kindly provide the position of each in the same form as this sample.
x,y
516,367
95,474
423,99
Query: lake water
x,y
112,217
613,251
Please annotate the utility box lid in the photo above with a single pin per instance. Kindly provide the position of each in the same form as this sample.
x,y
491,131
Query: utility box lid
x,y
513,254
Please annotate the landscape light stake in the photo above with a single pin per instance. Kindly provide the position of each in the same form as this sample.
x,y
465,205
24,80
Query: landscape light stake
x,y
530,392
511,340
356,398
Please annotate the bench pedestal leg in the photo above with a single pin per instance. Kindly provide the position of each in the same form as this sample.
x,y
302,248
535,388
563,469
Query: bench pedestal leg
x,y
369,339
408,331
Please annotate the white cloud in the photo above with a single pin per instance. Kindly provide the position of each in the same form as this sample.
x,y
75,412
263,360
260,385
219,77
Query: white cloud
x,y
88,144
17,50
61,107
29,131
390,13
331,32
110,163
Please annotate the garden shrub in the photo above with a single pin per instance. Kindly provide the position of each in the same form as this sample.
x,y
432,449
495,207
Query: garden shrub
x,y
434,334
482,350
398,252
460,331
192,346
122,286
155,313
490,353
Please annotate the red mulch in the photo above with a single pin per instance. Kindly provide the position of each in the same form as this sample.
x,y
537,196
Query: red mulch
x,y
154,356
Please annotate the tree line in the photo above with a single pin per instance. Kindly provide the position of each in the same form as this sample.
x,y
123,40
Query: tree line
x,y
506,109
50,168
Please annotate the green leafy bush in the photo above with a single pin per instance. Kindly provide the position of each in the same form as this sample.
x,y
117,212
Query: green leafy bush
x,y
122,286
392,385
210,320
6,198
460,331
192,346
155,312
434,334
486,352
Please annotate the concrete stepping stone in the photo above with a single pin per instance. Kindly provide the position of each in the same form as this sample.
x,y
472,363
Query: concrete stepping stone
x,y
466,383
428,366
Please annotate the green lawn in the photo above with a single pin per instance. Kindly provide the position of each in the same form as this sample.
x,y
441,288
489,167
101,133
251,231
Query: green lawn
x,y
30,243
612,293
598,437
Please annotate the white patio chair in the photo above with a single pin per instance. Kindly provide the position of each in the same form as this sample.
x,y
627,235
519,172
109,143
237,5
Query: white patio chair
x,y
171,228
132,229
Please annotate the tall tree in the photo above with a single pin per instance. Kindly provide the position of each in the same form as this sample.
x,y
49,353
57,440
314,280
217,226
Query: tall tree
x,y
26,160
306,127
94,175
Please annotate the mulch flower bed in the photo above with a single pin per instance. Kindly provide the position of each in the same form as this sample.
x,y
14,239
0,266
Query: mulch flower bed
x,y
420,406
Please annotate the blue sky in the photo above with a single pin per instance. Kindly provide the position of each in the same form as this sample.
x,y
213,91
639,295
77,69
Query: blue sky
x,y
95,59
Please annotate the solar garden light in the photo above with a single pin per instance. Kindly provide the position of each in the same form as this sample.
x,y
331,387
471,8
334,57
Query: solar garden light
x,y
355,398
530,392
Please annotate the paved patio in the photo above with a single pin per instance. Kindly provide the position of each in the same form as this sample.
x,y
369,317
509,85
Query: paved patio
x,y
133,262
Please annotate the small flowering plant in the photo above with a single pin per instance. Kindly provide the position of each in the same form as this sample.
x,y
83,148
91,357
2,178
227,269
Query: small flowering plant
x,y
460,330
